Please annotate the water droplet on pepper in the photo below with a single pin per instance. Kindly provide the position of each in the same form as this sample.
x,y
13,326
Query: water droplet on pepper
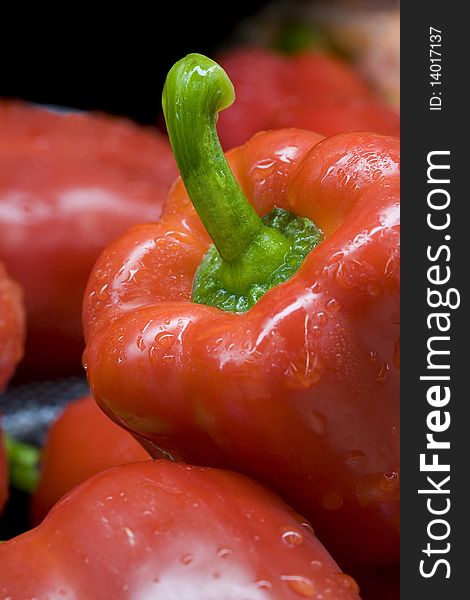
x,y
187,559
165,340
293,538
303,586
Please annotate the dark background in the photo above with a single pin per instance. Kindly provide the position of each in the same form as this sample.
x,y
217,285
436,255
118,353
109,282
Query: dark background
x,y
115,61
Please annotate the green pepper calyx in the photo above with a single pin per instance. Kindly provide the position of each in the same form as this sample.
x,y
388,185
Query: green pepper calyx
x,y
250,254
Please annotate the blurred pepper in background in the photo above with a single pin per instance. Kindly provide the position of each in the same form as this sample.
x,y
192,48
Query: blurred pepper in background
x,y
69,183
82,442
310,90
12,332
12,326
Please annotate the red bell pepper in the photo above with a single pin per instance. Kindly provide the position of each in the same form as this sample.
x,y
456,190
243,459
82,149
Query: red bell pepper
x,y
167,531
12,331
12,326
302,389
69,183
311,90
82,442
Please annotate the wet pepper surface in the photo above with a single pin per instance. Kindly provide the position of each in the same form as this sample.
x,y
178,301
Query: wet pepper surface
x,y
166,531
301,391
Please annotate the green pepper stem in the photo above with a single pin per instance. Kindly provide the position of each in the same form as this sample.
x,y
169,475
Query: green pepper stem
x,y
196,89
23,464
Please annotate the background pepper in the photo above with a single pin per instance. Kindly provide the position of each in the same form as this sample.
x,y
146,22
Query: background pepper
x,y
301,391
12,331
12,326
82,442
311,90
69,183
165,530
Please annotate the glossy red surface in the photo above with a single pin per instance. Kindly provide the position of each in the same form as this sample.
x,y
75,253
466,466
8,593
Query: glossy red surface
x,y
166,531
302,391
69,183
12,326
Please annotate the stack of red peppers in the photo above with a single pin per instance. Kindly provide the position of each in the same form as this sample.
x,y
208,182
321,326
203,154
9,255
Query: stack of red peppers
x,y
254,327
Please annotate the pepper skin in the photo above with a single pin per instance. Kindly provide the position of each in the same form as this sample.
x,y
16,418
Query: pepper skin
x,y
300,392
69,183
12,332
12,326
161,530
311,90
82,442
